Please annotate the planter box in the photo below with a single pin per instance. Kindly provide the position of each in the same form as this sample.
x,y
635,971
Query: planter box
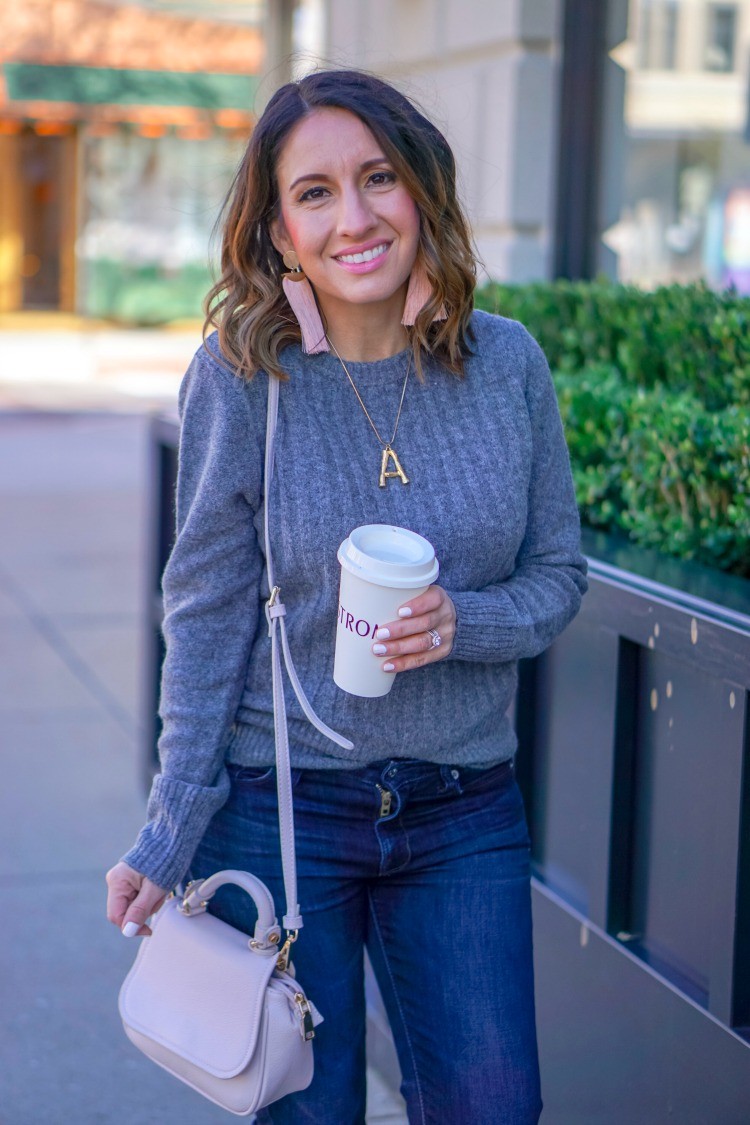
x,y
633,734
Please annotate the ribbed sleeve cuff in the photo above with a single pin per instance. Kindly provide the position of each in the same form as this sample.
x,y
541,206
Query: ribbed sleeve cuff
x,y
481,634
178,815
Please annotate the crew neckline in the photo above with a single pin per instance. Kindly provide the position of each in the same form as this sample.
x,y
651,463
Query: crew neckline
x,y
393,367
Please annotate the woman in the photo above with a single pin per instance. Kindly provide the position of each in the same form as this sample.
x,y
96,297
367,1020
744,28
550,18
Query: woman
x,y
414,843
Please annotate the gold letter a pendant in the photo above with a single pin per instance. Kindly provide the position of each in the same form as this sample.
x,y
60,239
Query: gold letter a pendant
x,y
397,472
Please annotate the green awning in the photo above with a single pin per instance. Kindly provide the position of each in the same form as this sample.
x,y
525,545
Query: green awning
x,y
98,85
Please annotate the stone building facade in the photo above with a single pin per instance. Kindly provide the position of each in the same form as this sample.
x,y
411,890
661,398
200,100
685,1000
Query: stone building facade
x,y
488,72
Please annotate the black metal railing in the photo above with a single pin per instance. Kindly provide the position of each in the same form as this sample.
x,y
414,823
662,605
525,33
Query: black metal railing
x,y
634,742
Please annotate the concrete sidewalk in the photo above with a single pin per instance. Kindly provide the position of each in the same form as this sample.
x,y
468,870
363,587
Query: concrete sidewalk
x,y
81,367
71,598
72,594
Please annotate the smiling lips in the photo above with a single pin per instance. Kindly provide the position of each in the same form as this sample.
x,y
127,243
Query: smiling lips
x,y
363,260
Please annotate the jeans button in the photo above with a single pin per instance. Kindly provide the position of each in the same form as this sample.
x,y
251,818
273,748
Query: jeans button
x,y
454,775
392,773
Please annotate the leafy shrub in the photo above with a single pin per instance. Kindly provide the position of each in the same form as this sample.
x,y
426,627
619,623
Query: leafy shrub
x,y
684,338
654,390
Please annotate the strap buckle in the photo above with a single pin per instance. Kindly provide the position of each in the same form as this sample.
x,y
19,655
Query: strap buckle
x,y
196,908
282,961
274,608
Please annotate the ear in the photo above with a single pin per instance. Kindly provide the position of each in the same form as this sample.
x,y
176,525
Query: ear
x,y
279,235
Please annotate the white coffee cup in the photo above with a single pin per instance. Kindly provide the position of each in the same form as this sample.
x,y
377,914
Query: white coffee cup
x,y
381,568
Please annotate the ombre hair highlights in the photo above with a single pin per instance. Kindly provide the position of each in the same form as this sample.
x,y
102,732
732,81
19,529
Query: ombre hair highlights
x,y
247,304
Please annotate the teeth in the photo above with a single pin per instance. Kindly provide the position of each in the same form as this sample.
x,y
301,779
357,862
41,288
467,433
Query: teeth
x,y
365,256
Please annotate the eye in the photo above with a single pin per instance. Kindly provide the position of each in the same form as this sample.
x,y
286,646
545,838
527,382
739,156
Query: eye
x,y
312,194
380,179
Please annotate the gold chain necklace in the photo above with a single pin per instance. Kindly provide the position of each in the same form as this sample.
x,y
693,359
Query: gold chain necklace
x,y
389,453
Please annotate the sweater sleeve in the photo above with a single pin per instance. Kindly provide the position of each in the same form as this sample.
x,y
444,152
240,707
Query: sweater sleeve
x,y
211,605
521,616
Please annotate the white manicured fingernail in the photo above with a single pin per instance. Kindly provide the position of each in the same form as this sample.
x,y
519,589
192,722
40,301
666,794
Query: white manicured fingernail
x,y
379,650
130,929
383,634
405,611
388,667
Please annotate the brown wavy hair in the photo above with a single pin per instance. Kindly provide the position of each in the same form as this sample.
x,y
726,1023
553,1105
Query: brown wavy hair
x,y
247,303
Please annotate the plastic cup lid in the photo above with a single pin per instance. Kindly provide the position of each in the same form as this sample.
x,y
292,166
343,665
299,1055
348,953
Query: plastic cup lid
x,y
389,556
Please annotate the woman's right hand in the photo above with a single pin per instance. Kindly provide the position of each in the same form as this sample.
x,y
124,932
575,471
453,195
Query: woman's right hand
x,y
131,898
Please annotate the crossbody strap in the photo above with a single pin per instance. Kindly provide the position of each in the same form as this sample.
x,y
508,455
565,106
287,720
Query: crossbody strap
x,y
275,613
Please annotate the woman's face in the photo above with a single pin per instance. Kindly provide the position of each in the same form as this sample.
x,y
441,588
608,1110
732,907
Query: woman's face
x,y
353,224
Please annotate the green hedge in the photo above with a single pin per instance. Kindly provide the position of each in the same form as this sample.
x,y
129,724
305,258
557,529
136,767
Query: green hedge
x,y
654,390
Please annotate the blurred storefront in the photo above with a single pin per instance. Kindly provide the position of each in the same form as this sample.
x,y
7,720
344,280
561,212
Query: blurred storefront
x,y
120,129
592,136
681,204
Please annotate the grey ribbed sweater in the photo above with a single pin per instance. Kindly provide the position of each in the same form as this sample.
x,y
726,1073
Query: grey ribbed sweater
x,y
490,487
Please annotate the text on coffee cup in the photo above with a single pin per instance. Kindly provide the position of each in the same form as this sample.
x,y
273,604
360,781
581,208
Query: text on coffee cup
x,y
356,625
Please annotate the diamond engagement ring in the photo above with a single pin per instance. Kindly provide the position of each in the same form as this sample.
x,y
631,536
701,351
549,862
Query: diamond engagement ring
x,y
436,638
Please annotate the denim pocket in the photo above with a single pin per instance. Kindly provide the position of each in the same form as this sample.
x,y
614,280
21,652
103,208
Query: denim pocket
x,y
250,775
256,777
473,780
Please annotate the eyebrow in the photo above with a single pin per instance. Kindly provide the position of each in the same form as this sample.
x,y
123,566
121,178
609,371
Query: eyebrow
x,y
322,175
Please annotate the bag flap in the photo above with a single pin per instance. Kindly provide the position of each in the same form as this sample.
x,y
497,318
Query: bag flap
x,y
198,989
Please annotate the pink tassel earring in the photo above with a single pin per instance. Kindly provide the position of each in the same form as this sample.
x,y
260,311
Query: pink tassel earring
x,y
417,296
300,296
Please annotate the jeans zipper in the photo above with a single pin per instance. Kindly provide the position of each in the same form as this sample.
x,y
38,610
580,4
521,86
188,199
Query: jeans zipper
x,y
386,797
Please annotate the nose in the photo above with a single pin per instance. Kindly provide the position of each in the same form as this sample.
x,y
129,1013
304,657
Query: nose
x,y
355,216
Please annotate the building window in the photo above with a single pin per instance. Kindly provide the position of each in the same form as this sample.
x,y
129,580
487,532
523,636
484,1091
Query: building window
x,y
721,35
675,205
657,38
147,210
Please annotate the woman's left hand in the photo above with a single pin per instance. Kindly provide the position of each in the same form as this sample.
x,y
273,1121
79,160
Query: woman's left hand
x,y
408,643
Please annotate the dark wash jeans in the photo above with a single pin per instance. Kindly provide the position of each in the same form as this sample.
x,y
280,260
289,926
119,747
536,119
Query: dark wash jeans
x,y
438,890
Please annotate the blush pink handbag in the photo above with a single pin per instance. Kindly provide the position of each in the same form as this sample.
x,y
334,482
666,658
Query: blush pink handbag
x,y
218,1010
215,1008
